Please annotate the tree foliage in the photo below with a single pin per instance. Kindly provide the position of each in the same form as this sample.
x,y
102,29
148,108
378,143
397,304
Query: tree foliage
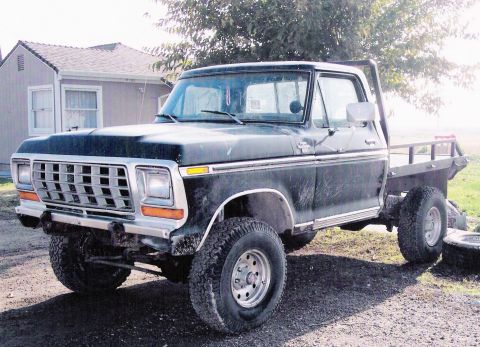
x,y
405,37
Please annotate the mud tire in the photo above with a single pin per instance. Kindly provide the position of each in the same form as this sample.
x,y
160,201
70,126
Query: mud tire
x,y
462,249
210,276
67,257
411,229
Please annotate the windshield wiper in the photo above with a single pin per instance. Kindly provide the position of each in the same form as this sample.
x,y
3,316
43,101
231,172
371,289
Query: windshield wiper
x,y
231,115
172,117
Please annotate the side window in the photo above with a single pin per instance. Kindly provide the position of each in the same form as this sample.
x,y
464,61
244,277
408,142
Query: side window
x,y
338,92
318,109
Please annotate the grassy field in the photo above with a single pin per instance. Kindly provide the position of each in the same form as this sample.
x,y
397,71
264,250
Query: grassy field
x,y
6,184
465,189
8,199
383,248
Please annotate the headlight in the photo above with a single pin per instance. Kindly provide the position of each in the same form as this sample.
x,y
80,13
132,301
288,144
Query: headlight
x,y
21,174
155,186
158,185
24,176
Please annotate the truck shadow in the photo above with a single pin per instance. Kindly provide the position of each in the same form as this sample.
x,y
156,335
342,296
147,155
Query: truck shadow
x,y
320,290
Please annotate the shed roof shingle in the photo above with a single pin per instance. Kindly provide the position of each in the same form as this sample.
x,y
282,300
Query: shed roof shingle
x,y
114,58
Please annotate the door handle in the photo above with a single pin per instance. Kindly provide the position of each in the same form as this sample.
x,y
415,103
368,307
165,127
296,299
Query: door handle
x,y
371,142
304,147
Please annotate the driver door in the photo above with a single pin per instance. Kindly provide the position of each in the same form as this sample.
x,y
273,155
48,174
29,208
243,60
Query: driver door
x,y
350,168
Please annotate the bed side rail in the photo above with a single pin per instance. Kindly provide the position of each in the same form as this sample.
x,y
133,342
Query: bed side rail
x,y
455,149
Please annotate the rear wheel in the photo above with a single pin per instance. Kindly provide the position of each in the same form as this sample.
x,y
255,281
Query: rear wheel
x,y
67,256
423,224
238,276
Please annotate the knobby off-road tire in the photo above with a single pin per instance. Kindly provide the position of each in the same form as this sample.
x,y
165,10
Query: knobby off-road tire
x,y
462,249
67,256
423,225
235,246
296,242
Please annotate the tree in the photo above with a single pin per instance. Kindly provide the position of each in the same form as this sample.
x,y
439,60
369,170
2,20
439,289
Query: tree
x,y
404,36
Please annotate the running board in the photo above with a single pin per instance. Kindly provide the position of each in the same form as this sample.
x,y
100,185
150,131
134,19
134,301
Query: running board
x,y
345,218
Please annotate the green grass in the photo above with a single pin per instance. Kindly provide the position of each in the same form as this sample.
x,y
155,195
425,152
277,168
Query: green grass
x,y
6,184
8,199
450,283
383,248
365,245
465,189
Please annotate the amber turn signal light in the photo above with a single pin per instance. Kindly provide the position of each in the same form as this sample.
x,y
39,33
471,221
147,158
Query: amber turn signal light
x,y
197,170
162,212
28,196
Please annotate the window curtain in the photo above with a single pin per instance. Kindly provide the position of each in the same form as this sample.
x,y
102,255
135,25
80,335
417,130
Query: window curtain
x,y
81,109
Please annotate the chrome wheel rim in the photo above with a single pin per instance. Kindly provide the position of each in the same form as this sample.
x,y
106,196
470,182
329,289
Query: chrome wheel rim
x,y
433,226
251,277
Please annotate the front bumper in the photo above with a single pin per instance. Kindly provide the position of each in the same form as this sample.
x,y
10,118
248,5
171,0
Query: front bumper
x,y
138,226
133,223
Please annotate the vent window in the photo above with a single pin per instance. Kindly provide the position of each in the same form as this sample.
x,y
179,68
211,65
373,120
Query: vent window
x,y
20,62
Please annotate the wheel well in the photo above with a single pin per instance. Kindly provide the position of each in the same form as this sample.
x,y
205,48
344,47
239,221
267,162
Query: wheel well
x,y
269,207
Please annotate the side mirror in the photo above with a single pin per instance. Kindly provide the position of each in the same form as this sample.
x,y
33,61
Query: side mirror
x,y
361,112
295,106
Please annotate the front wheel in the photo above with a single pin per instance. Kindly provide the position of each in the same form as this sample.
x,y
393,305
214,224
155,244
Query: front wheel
x,y
68,255
238,276
423,224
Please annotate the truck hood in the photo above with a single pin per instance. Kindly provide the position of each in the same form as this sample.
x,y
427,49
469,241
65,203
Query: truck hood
x,y
185,143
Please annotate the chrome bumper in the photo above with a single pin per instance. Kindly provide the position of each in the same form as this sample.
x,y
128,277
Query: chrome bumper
x,y
142,227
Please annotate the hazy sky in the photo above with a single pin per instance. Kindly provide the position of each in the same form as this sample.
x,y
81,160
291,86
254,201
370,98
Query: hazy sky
x,y
79,22
93,22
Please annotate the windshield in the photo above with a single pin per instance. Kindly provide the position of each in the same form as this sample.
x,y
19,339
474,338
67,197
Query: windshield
x,y
261,97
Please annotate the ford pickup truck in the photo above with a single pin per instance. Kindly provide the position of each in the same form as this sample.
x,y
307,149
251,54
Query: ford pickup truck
x,y
245,163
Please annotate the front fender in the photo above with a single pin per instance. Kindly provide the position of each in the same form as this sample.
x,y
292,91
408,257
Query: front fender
x,y
207,194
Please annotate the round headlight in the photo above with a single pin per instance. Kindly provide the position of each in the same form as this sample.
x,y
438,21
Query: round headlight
x,y
24,174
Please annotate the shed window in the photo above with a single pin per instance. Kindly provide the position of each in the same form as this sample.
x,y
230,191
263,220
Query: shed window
x,y
40,110
82,107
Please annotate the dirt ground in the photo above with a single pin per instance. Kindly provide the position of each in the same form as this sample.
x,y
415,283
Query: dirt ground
x,y
345,289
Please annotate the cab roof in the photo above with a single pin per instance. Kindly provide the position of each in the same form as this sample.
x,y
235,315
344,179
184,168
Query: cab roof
x,y
270,66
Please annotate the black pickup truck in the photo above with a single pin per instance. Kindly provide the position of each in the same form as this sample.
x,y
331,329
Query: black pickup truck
x,y
245,164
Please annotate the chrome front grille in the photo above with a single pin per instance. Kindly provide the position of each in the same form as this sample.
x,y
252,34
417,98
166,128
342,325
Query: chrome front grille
x,y
98,186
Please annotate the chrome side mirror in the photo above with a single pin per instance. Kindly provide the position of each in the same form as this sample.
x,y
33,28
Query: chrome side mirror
x,y
361,112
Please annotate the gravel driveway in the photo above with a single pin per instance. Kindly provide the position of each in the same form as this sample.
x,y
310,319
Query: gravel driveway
x,y
331,299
